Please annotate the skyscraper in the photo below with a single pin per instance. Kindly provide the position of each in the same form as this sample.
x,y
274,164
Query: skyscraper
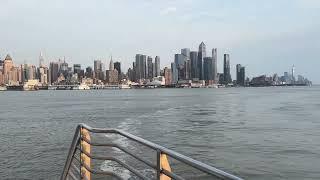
x,y
7,66
143,67
54,72
149,68
117,66
111,65
214,65
89,72
226,69
201,56
41,60
208,68
238,73
97,66
157,66
179,61
140,70
243,76
174,73
194,65
167,76
186,53
187,69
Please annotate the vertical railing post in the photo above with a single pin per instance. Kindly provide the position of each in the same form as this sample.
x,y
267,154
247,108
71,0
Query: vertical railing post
x,y
164,164
158,164
85,160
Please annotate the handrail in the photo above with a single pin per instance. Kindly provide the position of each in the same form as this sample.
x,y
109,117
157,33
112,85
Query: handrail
x,y
159,149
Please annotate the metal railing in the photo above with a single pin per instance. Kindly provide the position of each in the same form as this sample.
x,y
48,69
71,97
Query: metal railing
x,y
75,167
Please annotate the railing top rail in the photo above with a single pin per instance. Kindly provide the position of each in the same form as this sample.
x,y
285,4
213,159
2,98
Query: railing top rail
x,y
187,160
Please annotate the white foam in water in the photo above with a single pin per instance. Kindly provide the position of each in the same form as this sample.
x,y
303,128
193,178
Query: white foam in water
x,y
112,167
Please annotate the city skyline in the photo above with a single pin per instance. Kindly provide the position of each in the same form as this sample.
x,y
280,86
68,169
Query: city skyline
x,y
58,32
189,69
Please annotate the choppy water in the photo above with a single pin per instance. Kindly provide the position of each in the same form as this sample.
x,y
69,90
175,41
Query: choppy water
x,y
256,133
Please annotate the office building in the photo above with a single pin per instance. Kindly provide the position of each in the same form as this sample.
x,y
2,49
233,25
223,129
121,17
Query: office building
x,y
187,69
194,65
54,72
226,69
208,68
89,72
215,65
149,68
174,73
112,76
157,66
97,66
201,56
167,76
242,76
186,53
117,66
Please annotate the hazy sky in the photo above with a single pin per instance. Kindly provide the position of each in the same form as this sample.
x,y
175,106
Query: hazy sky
x,y
265,36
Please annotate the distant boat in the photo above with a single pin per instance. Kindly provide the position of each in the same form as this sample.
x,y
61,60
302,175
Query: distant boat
x,y
83,87
124,86
3,88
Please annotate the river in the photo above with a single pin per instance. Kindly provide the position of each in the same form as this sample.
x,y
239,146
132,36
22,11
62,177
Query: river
x,y
255,133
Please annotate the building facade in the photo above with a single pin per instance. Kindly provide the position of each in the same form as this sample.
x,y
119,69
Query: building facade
x,y
201,56
226,69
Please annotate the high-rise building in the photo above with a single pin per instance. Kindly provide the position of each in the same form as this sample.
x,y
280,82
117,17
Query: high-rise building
x,y
208,68
167,76
215,65
76,68
242,76
226,69
149,68
179,61
157,66
194,65
238,69
54,72
187,69
111,65
89,72
174,73
43,75
201,56
97,66
112,76
117,66
140,66
130,74
41,60
186,53
7,67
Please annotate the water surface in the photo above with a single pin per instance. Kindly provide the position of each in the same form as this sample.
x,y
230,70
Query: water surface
x,y
256,133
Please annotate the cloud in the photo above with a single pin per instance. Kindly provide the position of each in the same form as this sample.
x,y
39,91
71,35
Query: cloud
x,y
168,10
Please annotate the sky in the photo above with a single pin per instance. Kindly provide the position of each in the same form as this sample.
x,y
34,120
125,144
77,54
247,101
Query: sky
x,y
265,36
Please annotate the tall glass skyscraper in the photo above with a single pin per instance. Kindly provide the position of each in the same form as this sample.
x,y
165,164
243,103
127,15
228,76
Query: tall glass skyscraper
x,y
226,69
208,68
201,56
149,68
194,64
214,65
157,66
